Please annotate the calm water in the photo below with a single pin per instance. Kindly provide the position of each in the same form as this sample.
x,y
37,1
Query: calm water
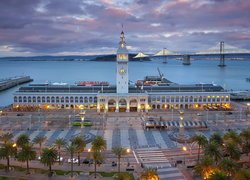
x,y
233,76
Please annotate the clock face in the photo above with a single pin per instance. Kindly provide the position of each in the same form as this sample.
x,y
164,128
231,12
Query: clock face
x,y
122,71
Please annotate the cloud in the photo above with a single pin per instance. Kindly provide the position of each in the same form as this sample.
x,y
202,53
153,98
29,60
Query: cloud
x,y
38,27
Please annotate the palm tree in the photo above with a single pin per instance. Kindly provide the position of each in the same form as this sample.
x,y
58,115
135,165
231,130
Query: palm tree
x,y
79,142
228,166
232,150
245,138
216,137
71,149
149,173
204,167
213,150
26,154
119,152
40,140
22,140
232,137
201,140
6,151
59,143
217,175
97,157
242,174
6,137
49,157
99,144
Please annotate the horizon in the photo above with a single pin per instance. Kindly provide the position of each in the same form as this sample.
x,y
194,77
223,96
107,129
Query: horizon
x,y
80,28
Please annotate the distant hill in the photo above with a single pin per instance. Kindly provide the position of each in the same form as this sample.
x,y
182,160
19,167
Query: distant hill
x,y
112,57
50,58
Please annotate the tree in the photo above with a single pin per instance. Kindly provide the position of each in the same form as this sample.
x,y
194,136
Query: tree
x,y
6,151
97,157
232,137
49,157
149,173
119,152
228,166
26,154
22,140
201,140
59,143
216,137
79,142
204,167
217,175
6,137
71,149
242,174
40,140
232,150
99,144
245,138
213,150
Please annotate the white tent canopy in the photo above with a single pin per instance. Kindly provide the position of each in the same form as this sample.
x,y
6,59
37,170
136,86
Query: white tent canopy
x,y
164,52
141,55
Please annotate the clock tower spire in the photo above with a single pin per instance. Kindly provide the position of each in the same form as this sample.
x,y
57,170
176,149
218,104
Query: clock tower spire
x,y
122,66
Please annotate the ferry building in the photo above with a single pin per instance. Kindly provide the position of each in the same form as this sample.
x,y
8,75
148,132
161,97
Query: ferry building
x,y
123,97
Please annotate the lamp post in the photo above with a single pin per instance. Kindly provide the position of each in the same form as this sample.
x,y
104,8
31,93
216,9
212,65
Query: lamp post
x,y
184,148
82,116
181,128
69,121
248,106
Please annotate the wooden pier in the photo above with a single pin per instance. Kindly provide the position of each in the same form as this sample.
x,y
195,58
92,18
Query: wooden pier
x,y
13,81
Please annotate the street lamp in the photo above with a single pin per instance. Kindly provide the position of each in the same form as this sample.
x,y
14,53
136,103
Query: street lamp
x,y
82,116
184,148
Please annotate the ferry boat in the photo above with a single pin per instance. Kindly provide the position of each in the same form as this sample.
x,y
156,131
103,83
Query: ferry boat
x,y
154,80
92,83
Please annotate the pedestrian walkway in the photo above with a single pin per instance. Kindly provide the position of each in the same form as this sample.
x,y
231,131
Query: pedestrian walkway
x,y
155,158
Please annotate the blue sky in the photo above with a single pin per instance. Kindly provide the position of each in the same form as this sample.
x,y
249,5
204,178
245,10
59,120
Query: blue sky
x,y
85,27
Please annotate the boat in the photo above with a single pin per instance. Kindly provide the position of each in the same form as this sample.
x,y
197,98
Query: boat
x,y
154,80
92,83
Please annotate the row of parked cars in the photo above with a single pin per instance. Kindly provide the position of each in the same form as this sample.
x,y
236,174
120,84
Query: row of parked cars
x,y
169,124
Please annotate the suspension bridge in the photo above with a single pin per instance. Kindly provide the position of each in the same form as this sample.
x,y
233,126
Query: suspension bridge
x,y
220,50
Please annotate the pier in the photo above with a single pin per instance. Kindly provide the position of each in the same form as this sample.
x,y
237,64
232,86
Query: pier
x,y
13,81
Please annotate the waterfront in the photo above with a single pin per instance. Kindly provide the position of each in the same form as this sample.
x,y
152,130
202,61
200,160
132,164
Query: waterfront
x,y
233,76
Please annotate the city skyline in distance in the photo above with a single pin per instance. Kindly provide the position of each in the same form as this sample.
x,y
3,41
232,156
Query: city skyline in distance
x,y
75,27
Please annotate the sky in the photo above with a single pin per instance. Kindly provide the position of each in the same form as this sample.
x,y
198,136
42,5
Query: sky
x,y
87,27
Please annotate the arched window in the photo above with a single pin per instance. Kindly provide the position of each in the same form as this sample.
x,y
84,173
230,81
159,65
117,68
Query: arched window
x,y
67,99
15,99
52,99
48,99
24,99
20,99
43,99
62,99
29,99
34,99
95,99
85,99
38,99
90,99
81,99
57,99
71,99
76,99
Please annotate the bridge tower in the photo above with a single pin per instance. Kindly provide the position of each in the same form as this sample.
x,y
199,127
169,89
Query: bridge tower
x,y
186,60
222,55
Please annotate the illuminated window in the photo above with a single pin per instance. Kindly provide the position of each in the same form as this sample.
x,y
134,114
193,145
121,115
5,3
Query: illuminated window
x,y
122,56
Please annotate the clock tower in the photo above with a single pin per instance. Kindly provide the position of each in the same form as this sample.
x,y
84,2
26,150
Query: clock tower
x,y
122,66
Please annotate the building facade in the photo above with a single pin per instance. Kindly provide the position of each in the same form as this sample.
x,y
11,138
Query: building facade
x,y
122,97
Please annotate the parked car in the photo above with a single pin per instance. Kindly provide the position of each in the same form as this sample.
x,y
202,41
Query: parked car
x,y
114,164
20,114
87,161
61,158
74,160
